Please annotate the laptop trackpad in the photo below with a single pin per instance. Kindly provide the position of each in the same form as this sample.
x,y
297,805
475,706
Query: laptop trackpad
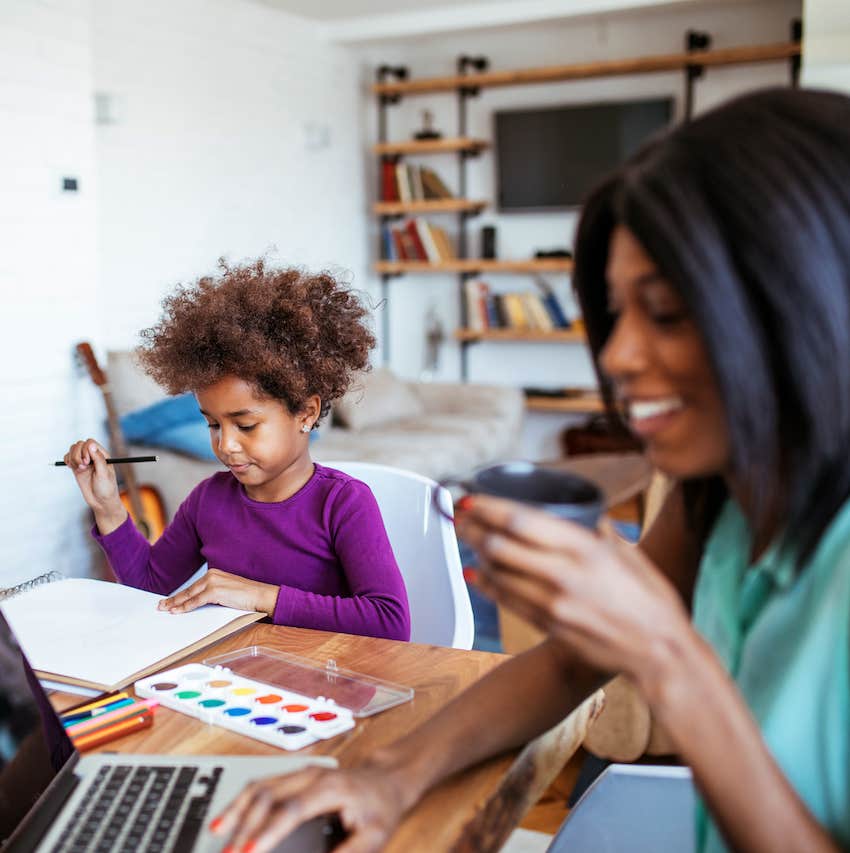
x,y
315,836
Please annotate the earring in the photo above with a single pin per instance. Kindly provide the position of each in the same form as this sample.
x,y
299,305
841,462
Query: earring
x,y
305,428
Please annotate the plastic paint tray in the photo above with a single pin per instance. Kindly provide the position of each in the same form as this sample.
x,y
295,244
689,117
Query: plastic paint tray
x,y
363,695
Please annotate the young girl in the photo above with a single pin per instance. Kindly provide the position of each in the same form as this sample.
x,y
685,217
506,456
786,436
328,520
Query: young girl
x,y
714,276
265,351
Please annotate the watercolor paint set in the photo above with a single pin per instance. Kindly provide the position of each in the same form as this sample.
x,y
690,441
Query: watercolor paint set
x,y
279,698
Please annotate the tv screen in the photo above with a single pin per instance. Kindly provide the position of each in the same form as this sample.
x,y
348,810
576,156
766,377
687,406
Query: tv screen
x,y
551,158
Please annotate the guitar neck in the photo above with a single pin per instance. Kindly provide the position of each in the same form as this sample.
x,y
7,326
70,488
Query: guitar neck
x,y
119,448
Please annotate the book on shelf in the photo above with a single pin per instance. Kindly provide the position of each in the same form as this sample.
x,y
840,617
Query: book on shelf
x,y
389,185
501,311
416,240
403,187
538,316
415,176
413,231
444,244
433,185
515,310
475,302
550,301
406,182
105,636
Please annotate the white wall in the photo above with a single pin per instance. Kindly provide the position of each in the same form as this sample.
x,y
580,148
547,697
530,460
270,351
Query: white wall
x,y
236,130
47,278
826,42
625,35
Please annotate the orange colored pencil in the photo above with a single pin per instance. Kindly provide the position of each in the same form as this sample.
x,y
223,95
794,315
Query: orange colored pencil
x,y
143,721
118,715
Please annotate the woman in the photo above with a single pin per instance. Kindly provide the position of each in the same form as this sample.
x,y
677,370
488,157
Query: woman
x,y
714,276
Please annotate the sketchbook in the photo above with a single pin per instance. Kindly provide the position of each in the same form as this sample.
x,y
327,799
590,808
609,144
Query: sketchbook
x,y
104,636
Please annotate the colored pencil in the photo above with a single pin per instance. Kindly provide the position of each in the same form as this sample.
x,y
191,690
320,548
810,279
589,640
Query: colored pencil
x,y
107,719
94,703
143,721
96,712
118,460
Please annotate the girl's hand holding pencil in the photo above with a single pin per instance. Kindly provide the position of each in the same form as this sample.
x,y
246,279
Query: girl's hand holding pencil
x,y
97,483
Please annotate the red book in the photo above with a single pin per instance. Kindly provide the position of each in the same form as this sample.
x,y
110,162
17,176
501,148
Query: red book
x,y
421,254
399,244
389,187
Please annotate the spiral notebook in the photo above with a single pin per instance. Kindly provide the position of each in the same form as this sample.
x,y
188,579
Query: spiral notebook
x,y
104,636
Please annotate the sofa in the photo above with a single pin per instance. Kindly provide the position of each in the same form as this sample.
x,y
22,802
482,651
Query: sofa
x,y
436,429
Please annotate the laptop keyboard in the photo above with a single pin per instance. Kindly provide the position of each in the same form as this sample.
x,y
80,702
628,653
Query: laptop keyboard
x,y
146,809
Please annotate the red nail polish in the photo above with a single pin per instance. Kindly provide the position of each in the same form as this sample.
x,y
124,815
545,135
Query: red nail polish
x,y
250,847
215,824
470,574
464,503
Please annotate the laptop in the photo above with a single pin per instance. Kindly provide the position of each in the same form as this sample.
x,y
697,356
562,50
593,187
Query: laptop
x,y
55,800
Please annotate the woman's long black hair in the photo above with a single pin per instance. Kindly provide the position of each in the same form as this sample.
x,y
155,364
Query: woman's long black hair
x,y
746,211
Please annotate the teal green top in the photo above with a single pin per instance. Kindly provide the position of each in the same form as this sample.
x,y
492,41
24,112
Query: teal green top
x,y
785,640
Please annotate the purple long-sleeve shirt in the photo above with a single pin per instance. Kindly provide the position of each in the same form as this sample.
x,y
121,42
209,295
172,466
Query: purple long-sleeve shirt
x,y
325,547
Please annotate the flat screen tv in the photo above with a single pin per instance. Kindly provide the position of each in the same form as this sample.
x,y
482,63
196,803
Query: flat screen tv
x,y
550,158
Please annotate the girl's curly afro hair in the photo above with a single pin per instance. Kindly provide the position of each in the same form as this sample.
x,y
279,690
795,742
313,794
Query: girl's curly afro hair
x,y
287,333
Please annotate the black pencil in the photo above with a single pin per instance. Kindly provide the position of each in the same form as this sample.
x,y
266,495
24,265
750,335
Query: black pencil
x,y
120,460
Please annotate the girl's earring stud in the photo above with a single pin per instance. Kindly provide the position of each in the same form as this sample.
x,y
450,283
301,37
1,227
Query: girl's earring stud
x,y
305,427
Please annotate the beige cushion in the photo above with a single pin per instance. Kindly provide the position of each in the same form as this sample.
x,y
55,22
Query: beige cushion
x,y
375,399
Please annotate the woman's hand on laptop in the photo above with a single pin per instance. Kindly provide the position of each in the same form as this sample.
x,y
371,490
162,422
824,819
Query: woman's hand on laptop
x,y
218,587
369,801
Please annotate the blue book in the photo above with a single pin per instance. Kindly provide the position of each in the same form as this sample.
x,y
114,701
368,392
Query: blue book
x,y
493,318
388,244
559,319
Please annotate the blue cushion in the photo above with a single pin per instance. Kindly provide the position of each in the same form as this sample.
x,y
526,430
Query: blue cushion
x,y
175,423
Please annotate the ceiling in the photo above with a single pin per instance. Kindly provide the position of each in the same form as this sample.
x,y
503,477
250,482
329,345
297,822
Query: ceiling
x,y
333,10
363,20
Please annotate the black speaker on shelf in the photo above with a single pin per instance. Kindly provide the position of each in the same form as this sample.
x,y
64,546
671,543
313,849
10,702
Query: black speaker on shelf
x,y
488,241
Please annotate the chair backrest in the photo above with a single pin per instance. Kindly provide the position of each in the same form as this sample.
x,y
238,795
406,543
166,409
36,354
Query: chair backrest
x,y
425,547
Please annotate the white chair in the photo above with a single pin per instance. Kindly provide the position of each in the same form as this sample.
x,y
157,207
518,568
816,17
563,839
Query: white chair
x,y
425,547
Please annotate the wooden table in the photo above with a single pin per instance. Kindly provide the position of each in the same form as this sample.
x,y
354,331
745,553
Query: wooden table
x,y
473,811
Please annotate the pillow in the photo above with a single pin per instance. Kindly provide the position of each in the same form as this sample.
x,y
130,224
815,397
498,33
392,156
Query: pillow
x,y
375,399
175,423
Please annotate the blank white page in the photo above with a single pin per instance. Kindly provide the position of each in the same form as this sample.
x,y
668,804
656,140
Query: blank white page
x,y
103,632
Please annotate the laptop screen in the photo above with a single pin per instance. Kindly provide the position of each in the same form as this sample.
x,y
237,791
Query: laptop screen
x,y
33,744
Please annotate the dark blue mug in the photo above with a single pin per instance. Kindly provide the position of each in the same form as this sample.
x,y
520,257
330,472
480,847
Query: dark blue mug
x,y
561,493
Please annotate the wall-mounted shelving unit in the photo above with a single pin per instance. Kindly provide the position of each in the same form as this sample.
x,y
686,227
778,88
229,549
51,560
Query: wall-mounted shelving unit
x,y
473,76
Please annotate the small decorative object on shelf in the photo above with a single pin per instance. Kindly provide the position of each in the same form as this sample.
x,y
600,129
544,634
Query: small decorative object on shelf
x,y
553,253
434,337
488,241
427,131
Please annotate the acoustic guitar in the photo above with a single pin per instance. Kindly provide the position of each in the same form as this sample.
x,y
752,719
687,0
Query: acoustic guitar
x,y
142,502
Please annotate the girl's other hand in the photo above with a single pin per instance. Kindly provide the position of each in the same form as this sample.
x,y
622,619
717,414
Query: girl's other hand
x,y
598,596
369,801
96,479
218,587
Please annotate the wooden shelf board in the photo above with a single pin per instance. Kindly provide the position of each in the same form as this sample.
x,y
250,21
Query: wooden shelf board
x,y
580,404
525,335
437,205
584,70
431,146
476,265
